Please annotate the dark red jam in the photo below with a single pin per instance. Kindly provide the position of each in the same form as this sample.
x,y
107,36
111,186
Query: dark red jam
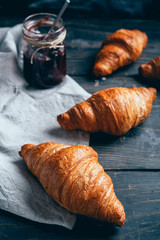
x,y
48,68
49,65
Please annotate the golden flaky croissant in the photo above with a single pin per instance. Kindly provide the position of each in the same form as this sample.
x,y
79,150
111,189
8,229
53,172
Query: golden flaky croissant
x,y
75,179
121,48
151,70
114,111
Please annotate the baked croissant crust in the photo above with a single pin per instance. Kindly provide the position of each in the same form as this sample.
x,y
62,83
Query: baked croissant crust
x,y
151,70
121,48
114,111
75,179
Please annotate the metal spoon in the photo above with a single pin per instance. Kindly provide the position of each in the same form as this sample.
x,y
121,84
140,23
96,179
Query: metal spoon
x,y
58,17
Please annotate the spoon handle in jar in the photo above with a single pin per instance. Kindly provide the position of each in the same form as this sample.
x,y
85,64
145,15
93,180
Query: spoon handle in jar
x,y
58,17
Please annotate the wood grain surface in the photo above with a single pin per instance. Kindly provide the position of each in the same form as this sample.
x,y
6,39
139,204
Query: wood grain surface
x,y
132,161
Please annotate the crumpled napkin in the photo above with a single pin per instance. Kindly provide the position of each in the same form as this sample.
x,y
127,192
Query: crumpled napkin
x,y
29,116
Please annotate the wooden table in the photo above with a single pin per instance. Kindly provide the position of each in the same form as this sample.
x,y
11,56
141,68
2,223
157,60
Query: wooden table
x,y
132,161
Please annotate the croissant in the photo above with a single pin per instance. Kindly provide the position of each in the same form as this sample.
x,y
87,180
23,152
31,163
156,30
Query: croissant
x,y
114,111
75,179
151,70
121,48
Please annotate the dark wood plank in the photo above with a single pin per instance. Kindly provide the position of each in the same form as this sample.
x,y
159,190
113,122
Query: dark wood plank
x,y
139,192
139,149
101,25
95,85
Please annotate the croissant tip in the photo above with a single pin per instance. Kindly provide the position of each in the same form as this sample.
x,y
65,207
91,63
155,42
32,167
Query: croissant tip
x,y
60,119
64,121
121,217
25,148
145,70
143,35
100,70
153,92
20,153
122,221
97,71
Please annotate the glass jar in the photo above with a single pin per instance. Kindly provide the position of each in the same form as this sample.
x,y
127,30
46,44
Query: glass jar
x,y
44,55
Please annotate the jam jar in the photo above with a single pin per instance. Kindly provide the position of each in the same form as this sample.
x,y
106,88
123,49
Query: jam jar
x,y
44,55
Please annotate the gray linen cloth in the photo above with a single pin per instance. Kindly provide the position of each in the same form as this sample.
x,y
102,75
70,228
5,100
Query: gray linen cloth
x,y
29,116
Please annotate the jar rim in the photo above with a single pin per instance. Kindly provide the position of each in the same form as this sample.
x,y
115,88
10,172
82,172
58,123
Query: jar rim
x,y
42,14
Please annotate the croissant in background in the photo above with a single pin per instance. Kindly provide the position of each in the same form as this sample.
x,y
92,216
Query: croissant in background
x,y
75,179
121,48
151,70
114,111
